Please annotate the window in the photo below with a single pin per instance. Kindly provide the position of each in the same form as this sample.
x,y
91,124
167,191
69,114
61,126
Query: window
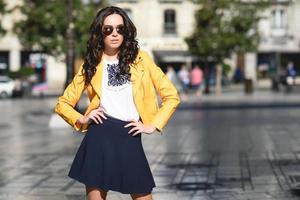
x,y
279,19
170,22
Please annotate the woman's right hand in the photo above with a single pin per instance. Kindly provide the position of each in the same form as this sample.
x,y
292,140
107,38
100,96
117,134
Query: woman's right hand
x,y
95,115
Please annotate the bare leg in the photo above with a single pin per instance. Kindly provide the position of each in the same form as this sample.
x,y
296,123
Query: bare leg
x,y
144,196
93,193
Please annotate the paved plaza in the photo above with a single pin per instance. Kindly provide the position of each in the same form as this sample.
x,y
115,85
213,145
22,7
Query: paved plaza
x,y
209,151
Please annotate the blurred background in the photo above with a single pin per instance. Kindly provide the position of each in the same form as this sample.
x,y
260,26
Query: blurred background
x,y
249,45
235,63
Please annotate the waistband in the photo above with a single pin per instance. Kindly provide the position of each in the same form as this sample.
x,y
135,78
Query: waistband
x,y
113,120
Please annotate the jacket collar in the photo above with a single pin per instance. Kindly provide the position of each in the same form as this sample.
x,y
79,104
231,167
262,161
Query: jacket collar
x,y
136,76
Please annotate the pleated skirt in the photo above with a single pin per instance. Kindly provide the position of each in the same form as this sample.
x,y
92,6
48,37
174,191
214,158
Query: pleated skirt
x,y
111,159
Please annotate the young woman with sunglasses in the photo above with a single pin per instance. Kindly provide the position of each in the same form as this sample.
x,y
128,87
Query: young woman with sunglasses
x,y
122,82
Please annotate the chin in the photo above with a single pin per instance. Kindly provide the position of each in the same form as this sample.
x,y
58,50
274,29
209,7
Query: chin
x,y
115,46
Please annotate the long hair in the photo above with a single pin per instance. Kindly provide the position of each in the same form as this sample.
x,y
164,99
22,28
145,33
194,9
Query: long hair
x,y
95,45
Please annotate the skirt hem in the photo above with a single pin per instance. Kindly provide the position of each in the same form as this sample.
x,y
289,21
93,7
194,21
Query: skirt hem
x,y
108,188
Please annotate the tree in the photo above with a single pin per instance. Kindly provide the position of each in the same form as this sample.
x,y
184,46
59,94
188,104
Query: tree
x,y
224,27
3,11
45,25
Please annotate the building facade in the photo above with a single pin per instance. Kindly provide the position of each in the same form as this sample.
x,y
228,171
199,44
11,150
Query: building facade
x,y
13,56
280,32
162,26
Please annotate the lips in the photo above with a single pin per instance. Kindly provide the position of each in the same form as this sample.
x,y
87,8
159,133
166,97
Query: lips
x,y
114,41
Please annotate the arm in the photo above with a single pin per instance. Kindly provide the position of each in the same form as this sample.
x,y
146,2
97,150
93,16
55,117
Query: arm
x,y
66,103
167,91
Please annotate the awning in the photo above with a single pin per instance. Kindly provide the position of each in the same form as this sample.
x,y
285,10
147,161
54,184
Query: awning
x,y
174,56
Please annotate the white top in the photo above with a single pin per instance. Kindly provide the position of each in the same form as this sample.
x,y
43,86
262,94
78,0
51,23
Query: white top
x,y
116,98
184,76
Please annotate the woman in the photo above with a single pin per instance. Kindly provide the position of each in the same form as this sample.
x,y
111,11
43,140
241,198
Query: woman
x,y
121,82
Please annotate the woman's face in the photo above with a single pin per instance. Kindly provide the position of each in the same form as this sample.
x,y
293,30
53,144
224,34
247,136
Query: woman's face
x,y
114,24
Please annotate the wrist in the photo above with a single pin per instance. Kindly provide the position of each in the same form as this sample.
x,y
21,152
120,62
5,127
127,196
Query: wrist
x,y
152,128
81,120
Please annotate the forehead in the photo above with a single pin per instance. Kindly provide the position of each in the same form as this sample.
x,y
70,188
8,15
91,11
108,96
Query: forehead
x,y
113,19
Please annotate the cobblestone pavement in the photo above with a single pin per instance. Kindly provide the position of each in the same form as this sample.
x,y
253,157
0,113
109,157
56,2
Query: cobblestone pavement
x,y
219,153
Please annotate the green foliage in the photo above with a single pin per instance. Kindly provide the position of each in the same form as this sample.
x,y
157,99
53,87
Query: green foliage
x,y
26,71
22,72
2,6
2,12
224,27
45,25
226,68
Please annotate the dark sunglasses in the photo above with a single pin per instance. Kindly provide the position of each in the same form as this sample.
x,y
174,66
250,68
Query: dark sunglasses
x,y
108,29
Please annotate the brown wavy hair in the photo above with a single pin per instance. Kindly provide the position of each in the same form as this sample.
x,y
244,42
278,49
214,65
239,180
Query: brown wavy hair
x,y
95,45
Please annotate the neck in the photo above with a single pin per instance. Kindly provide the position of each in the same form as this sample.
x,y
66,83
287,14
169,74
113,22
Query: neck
x,y
110,53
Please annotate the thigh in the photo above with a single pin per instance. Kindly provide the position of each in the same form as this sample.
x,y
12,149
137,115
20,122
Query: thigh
x,y
93,193
144,196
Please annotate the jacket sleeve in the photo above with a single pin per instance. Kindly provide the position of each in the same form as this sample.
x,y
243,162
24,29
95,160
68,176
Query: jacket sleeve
x,y
166,90
66,103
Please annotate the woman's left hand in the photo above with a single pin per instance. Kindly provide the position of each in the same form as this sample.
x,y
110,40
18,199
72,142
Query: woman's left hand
x,y
139,127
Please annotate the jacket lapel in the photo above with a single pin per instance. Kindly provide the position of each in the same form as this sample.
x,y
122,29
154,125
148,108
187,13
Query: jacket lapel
x,y
137,73
96,81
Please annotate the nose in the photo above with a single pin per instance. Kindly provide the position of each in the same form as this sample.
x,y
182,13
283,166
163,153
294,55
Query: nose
x,y
115,33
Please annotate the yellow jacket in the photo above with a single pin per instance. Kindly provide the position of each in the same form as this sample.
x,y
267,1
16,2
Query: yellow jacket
x,y
147,78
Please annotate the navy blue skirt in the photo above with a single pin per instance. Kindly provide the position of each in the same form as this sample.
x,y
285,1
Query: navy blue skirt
x,y
110,159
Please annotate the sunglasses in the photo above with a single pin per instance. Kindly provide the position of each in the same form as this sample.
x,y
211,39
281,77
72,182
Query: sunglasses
x,y
108,29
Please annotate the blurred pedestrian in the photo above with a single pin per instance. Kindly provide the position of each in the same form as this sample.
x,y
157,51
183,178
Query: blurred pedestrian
x,y
121,82
171,74
238,75
291,73
184,77
283,77
196,80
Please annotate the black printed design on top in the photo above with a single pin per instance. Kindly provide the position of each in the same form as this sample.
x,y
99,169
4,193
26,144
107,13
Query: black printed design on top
x,y
114,76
